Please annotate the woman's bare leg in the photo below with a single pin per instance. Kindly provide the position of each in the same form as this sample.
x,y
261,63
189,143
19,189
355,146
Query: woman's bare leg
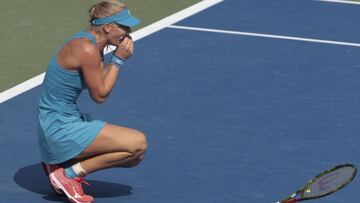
x,y
114,146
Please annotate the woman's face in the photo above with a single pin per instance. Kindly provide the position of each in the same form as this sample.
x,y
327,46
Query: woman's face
x,y
118,33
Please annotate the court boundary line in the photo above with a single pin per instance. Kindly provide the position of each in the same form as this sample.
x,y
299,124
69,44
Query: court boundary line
x,y
266,35
341,1
143,32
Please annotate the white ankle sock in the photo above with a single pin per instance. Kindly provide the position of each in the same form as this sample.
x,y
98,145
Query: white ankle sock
x,y
78,169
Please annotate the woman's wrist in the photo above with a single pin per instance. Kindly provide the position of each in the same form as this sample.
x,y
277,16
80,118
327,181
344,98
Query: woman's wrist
x,y
117,61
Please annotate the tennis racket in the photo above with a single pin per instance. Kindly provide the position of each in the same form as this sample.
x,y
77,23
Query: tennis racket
x,y
324,184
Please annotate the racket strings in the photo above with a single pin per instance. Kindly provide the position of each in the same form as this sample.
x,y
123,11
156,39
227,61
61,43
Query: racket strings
x,y
330,182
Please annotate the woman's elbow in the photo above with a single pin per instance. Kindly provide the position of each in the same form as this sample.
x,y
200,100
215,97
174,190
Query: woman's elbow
x,y
98,99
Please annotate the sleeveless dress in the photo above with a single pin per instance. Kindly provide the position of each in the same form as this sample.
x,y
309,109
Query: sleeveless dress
x,y
63,131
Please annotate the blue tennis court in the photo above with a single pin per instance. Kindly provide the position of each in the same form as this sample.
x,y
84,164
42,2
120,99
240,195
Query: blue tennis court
x,y
228,117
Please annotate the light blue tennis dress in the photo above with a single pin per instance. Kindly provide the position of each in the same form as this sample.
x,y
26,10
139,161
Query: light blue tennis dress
x,y
63,131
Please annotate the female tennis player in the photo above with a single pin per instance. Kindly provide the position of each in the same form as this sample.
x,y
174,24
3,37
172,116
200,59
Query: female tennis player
x,y
68,137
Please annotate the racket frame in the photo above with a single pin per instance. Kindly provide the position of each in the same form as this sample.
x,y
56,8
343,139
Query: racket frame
x,y
292,198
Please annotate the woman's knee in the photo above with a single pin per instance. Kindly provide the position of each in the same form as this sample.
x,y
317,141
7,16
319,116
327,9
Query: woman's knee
x,y
134,142
139,145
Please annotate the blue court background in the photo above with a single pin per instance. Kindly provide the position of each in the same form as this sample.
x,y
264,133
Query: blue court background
x,y
228,118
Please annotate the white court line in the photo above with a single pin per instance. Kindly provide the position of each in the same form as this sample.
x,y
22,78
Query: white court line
x,y
161,24
265,35
341,1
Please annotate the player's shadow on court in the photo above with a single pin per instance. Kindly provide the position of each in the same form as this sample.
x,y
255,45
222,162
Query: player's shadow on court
x,y
32,178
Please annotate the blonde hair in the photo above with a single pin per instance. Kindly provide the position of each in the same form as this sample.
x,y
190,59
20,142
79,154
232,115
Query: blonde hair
x,y
105,9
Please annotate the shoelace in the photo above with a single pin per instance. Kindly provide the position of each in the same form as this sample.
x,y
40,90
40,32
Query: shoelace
x,y
80,180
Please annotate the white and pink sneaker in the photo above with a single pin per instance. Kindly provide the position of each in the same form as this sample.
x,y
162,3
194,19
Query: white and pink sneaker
x,y
72,187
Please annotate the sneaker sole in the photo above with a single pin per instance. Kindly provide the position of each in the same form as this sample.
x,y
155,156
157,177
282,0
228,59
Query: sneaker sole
x,y
56,182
